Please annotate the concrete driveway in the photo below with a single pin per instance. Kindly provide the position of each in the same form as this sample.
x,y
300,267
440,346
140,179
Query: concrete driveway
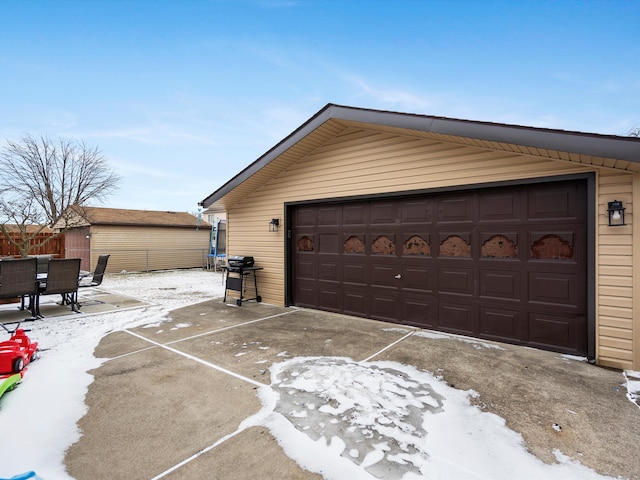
x,y
168,400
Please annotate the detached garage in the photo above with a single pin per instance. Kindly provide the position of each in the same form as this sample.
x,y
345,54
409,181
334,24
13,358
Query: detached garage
x,y
137,240
495,231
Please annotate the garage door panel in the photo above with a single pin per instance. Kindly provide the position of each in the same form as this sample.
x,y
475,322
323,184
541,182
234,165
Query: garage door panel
x,y
306,268
330,296
499,244
353,243
554,202
418,211
501,324
305,242
329,243
454,244
418,277
330,216
455,280
456,318
385,304
385,213
455,209
552,244
355,300
416,245
331,271
355,272
305,292
420,310
305,216
355,214
383,244
502,284
502,207
553,289
383,275
565,333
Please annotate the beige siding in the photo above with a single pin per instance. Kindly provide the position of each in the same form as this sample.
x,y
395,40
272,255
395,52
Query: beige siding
x,y
149,248
635,338
362,162
614,282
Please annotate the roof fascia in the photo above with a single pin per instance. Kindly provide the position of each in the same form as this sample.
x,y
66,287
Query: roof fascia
x,y
607,146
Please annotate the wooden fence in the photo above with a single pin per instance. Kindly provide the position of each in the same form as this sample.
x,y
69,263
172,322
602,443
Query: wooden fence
x,y
55,246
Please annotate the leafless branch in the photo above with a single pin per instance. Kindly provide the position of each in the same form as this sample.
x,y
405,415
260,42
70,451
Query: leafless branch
x,y
42,179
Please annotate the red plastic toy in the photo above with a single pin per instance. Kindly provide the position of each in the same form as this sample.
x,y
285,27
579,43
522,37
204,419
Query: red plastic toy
x,y
16,353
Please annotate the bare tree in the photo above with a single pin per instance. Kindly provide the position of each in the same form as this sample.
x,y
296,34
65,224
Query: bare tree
x,y
46,182
634,132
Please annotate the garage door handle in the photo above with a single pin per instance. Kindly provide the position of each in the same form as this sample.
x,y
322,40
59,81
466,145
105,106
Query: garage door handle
x,y
398,277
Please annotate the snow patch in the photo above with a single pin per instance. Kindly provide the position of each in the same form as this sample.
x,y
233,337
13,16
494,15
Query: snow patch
x,y
384,420
633,386
477,344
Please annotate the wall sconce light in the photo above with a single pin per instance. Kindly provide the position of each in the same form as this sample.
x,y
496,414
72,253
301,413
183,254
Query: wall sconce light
x,y
274,224
87,235
616,213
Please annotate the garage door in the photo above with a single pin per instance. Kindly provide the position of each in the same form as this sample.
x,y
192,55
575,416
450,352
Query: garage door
x,y
506,264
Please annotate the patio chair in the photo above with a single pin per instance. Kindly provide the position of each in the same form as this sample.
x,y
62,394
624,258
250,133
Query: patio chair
x,y
62,279
18,280
43,263
95,279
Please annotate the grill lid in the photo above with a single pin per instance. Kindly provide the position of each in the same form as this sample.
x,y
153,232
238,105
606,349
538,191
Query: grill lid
x,y
240,261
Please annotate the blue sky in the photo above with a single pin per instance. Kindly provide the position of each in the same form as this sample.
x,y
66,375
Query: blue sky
x,y
182,95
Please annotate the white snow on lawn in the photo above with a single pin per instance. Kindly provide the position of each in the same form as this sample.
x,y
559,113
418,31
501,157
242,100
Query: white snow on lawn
x,y
334,416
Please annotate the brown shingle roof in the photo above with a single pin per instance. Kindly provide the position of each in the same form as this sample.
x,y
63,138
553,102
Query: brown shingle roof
x,y
30,228
146,218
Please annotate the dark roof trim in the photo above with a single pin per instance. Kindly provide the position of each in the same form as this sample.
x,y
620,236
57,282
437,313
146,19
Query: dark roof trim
x,y
202,225
607,146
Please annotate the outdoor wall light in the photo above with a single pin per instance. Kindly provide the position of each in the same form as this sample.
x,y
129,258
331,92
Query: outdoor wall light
x,y
274,224
616,213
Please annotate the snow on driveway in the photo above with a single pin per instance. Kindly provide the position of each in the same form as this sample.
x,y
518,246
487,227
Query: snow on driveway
x,y
335,416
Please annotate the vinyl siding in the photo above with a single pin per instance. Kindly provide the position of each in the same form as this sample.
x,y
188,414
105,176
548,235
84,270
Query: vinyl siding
x,y
365,162
136,249
614,281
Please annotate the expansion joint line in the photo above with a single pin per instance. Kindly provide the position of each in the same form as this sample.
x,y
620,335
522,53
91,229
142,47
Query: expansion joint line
x,y
204,362
388,347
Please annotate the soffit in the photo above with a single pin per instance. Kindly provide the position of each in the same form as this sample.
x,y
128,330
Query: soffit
x,y
569,156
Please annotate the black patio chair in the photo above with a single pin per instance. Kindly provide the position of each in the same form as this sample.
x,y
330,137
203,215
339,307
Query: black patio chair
x,y
18,280
62,279
95,279
43,263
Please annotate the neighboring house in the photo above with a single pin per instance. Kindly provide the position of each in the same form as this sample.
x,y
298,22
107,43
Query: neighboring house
x,y
138,240
489,230
212,215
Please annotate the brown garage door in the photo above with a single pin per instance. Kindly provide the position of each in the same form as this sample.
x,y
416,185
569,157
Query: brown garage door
x,y
506,263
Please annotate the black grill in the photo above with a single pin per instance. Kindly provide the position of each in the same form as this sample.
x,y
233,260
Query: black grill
x,y
238,267
237,263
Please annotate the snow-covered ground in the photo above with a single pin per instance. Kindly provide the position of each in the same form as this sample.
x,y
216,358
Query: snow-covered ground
x,y
334,416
